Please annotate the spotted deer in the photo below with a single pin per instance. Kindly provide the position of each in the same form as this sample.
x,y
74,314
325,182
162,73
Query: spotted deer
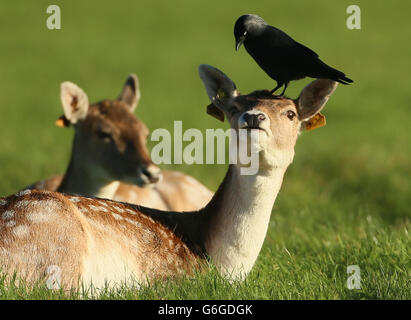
x,y
105,242
110,159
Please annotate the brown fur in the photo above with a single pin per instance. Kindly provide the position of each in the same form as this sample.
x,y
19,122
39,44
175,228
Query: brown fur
x,y
65,237
175,192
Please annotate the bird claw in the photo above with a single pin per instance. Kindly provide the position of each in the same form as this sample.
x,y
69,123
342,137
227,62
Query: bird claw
x,y
277,95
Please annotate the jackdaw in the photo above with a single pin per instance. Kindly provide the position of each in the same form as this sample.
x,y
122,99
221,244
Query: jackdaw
x,y
280,56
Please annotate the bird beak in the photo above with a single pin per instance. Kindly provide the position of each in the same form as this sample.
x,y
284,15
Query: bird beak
x,y
239,42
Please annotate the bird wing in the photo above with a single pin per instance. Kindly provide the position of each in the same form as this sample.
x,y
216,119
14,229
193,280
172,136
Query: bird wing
x,y
290,47
305,50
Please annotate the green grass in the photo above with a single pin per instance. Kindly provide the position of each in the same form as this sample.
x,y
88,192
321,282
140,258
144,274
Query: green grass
x,y
346,199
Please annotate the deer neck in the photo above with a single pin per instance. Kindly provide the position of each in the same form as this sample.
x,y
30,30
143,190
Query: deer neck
x,y
238,217
85,178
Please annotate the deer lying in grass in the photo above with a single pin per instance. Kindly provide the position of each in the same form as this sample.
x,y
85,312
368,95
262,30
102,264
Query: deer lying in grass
x,y
110,146
106,242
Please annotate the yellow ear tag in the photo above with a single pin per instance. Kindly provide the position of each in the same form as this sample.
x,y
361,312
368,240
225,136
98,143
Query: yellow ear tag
x,y
62,122
315,122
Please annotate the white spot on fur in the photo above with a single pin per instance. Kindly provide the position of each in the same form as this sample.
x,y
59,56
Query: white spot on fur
x,y
74,199
50,205
7,215
39,216
135,223
102,203
10,223
143,216
117,216
131,211
21,231
23,193
163,233
118,209
2,202
98,208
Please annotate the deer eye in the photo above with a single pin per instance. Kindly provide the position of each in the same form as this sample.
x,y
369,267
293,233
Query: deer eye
x,y
104,135
291,115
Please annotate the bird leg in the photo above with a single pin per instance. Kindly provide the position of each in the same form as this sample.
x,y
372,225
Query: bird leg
x,y
285,88
279,85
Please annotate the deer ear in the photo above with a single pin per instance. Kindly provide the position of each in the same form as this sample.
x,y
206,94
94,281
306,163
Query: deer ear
x,y
74,101
220,88
131,92
314,97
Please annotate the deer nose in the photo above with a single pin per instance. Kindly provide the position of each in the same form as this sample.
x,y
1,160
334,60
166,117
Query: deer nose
x,y
253,120
153,173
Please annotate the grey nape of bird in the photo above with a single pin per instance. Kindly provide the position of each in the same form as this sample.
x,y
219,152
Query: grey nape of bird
x,y
280,56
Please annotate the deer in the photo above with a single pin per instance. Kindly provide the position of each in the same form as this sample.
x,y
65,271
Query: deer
x,y
103,242
109,157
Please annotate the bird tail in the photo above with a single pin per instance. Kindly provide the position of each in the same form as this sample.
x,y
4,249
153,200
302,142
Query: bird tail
x,y
342,78
335,74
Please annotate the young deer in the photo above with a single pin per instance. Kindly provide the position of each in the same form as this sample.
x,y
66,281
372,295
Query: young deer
x,y
110,146
101,241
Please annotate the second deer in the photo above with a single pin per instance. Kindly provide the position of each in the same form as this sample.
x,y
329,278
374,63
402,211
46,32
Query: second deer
x,y
110,159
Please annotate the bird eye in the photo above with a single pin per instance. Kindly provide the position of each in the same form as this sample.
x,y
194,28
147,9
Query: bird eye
x,y
291,115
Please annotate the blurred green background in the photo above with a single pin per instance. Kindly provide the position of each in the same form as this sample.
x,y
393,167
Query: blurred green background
x,y
346,196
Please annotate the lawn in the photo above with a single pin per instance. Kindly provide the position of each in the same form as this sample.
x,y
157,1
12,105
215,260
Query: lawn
x,y
346,199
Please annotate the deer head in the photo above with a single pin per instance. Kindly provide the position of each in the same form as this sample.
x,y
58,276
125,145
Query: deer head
x,y
109,140
279,120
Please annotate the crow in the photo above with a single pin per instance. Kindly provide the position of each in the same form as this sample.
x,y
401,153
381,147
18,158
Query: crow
x,y
280,56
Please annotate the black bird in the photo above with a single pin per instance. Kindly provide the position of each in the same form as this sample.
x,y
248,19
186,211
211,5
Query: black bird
x,y
280,56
